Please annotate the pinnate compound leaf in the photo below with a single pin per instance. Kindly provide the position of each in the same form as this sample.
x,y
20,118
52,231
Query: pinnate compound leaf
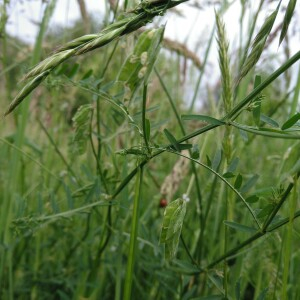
x,y
81,121
239,227
203,118
287,19
290,122
171,227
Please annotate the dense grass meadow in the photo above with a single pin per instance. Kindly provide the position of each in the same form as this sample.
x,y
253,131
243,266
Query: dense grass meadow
x,y
133,169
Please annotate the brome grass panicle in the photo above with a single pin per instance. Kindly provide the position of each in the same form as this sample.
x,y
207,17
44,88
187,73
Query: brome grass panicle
x,y
258,44
139,17
227,95
287,19
224,63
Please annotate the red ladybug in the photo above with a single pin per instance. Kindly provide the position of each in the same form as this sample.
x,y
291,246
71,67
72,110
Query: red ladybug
x,y
163,203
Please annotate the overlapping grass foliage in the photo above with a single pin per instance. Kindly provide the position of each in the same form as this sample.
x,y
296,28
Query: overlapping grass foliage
x,y
106,140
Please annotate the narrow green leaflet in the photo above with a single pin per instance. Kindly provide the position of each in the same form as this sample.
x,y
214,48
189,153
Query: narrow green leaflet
x,y
257,102
228,175
203,118
184,267
266,210
171,227
249,183
290,122
208,161
269,121
217,160
139,64
172,139
287,19
195,153
233,165
81,121
252,199
238,181
240,227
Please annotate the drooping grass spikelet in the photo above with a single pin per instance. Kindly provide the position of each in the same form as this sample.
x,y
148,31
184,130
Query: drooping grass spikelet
x,y
287,19
50,63
77,42
27,89
139,17
224,63
258,44
101,40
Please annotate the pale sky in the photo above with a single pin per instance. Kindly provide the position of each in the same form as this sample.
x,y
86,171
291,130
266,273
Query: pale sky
x,y
195,24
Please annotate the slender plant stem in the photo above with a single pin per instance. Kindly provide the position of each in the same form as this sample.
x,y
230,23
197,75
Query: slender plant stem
x,y
183,132
69,168
144,118
199,80
133,236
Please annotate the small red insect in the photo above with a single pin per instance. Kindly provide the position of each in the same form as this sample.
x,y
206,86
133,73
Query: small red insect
x,y
163,203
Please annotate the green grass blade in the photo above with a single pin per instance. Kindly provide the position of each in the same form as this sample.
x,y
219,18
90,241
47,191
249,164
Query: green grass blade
x,y
203,118
290,122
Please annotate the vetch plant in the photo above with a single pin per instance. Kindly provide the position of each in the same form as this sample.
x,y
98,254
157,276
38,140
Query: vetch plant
x,y
106,234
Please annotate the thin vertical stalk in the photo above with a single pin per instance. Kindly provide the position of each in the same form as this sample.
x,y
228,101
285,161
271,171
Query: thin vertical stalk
x,y
144,125
133,235
4,55
207,51
197,181
288,244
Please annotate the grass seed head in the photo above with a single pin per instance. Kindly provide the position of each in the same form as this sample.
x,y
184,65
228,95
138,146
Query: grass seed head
x,y
224,63
27,89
